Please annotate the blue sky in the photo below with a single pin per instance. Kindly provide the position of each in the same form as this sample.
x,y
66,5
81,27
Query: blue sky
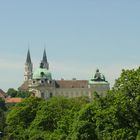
x,y
80,36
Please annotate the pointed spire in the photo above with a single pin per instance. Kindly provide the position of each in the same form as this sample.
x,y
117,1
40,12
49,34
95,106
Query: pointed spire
x,y
44,56
44,60
28,59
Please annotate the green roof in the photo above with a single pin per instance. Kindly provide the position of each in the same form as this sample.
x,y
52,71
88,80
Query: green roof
x,y
92,82
42,73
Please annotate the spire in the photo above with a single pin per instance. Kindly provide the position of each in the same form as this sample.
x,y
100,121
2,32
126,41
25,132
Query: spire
x,y
28,59
44,60
44,56
28,67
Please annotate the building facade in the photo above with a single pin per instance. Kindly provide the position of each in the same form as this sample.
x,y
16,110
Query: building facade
x,y
41,84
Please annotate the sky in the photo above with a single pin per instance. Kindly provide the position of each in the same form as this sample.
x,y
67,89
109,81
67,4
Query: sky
x,y
79,36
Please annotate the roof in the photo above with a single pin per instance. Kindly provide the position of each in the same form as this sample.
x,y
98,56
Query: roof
x,y
13,100
92,82
24,86
71,84
2,94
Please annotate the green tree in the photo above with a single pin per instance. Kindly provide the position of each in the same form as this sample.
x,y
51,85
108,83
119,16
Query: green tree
x,y
83,127
138,135
129,82
12,92
55,116
2,114
20,117
115,116
65,123
15,93
23,94
2,104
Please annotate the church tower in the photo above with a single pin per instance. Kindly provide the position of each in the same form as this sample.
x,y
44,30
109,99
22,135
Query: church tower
x,y
28,67
44,61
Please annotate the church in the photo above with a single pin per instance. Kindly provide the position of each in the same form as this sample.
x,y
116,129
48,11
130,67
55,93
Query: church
x,y
41,83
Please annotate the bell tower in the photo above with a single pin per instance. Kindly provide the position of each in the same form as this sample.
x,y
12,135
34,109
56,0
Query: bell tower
x,y
28,67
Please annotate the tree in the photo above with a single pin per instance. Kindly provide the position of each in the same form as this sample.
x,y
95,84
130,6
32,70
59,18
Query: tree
x,y
65,123
116,116
129,82
138,135
2,104
23,94
20,117
56,115
2,114
14,93
83,127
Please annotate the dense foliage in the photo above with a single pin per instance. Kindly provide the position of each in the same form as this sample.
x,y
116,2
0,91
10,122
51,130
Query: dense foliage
x,y
2,114
113,117
36,118
16,93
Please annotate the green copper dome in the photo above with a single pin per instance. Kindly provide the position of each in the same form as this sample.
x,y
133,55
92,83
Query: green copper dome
x,y
42,73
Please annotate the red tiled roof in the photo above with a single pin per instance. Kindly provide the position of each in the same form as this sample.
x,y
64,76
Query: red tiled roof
x,y
13,100
71,83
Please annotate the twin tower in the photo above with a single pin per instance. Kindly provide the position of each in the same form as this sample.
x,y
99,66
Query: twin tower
x,y
29,65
